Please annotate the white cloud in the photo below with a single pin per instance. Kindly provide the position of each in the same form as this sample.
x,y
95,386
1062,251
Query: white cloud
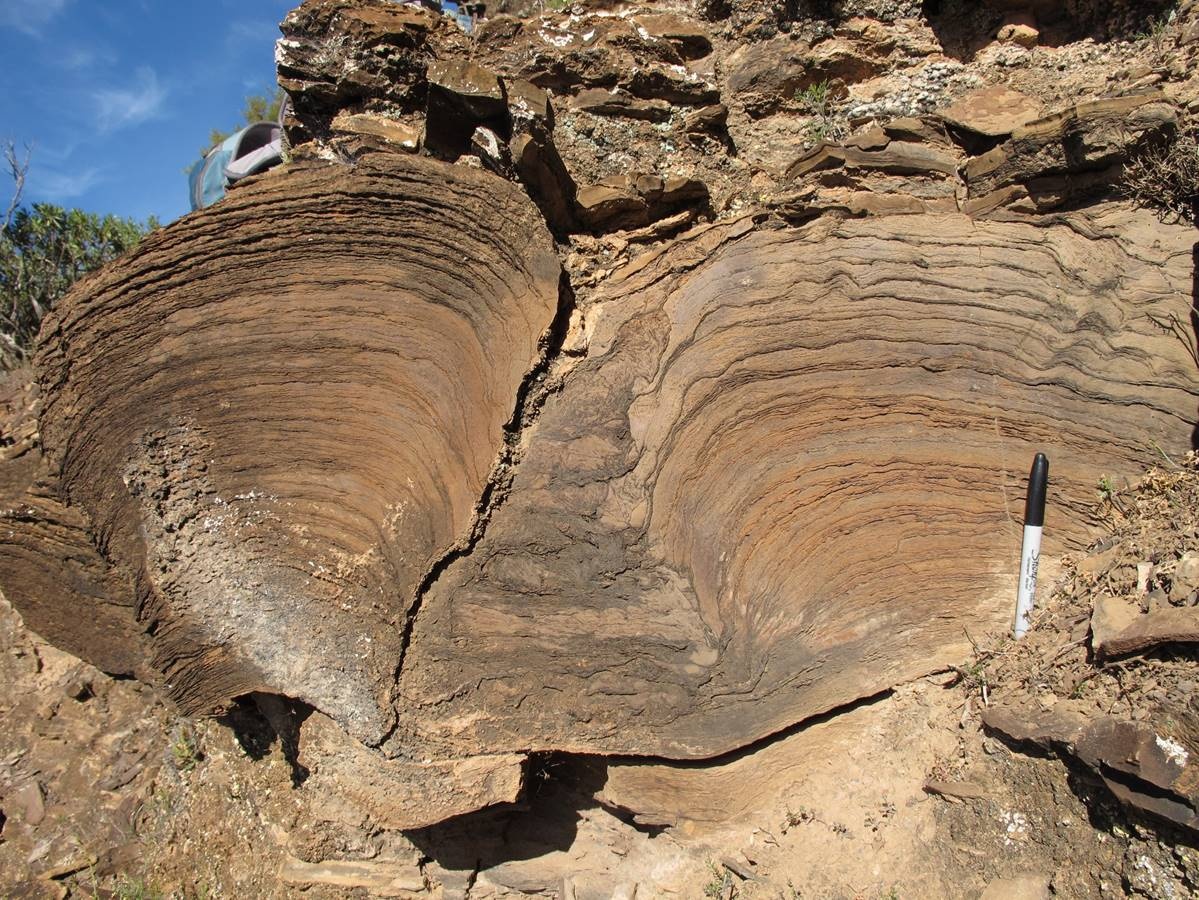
x,y
252,32
80,57
29,16
59,187
121,107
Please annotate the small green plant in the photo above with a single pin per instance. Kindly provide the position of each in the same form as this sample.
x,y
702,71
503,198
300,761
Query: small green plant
x,y
135,889
1106,488
817,101
1156,27
720,884
185,750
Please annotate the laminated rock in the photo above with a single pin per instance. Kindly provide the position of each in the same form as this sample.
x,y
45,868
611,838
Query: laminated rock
x,y
50,569
300,422
601,102
1089,137
897,158
715,512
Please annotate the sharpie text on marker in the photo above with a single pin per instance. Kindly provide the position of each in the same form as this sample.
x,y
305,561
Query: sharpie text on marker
x,y
1030,551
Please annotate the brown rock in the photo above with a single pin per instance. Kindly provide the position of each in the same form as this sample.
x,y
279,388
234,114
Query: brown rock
x,y
28,800
49,568
871,139
473,86
707,118
1090,137
1018,887
918,131
382,877
528,104
630,201
602,206
1153,772
689,37
992,112
983,206
602,102
765,76
899,158
379,54
1020,33
401,794
662,82
1118,627
960,790
404,135
545,177
1186,577
287,552
609,591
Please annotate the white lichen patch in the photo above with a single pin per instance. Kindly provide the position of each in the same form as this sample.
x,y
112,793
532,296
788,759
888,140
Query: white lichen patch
x,y
1174,751
1015,827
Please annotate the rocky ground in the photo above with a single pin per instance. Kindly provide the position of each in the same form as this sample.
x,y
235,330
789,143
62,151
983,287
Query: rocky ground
x,y
1061,766
920,792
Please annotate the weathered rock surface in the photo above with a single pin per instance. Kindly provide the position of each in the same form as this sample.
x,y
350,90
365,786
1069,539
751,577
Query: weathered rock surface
x,y
319,441
992,112
1118,626
49,565
783,476
1088,138
1143,768
278,416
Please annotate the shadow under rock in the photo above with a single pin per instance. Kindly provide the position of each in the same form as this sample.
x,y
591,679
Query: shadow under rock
x,y
559,787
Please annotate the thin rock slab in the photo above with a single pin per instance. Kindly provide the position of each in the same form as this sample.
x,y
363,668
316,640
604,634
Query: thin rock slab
x,y
278,414
788,473
1118,627
1152,771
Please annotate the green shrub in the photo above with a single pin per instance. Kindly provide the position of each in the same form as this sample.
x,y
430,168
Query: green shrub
x,y
44,249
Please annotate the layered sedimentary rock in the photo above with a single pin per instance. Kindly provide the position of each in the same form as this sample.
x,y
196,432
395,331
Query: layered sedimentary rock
x,y
50,568
279,415
332,439
790,471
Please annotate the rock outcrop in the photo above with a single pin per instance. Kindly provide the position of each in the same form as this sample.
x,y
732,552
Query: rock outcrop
x,y
276,418
785,475
411,432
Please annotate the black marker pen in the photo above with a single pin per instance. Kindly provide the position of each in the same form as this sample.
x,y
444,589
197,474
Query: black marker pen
x,y
1030,553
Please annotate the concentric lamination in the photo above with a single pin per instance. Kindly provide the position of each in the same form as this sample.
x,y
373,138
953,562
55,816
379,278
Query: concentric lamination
x,y
791,471
281,412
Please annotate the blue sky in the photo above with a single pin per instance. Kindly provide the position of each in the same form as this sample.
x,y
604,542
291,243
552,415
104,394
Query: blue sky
x,y
117,97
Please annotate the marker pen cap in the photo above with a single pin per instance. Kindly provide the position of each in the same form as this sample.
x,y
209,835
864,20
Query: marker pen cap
x,y
1038,479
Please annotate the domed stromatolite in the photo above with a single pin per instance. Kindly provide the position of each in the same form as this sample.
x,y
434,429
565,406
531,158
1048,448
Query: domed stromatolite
x,y
278,414
790,473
